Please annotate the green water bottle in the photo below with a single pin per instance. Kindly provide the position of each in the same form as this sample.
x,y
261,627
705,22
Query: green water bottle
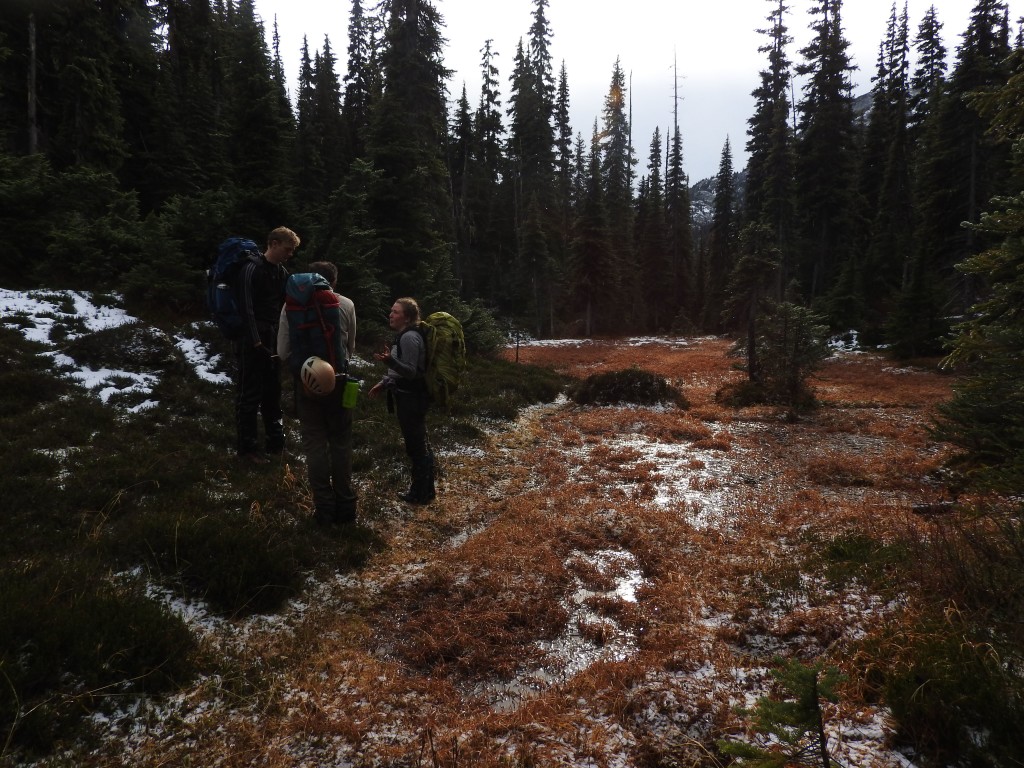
x,y
351,392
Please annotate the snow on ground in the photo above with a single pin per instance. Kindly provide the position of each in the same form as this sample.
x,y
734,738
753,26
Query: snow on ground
x,y
39,315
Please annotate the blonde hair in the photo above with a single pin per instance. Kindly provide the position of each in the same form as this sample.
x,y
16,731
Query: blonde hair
x,y
283,235
411,309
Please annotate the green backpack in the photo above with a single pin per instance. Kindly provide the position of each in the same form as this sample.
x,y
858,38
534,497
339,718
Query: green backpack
x,y
446,356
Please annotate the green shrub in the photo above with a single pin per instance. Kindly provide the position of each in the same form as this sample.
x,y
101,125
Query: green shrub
x,y
69,638
953,697
789,726
853,555
630,386
129,347
498,389
789,345
239,565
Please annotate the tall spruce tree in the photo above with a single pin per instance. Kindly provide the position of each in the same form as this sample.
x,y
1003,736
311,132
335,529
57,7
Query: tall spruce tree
x,y
770,186
721,257
461,167
929,79
826,152
679,219
487,199
194,144
410,209
891,244
985,418
962,167
361,81
652,246
328,128
917,322
749,293
531,151
136,70
564,202
617,173
310,171
881,240
259,135
594,270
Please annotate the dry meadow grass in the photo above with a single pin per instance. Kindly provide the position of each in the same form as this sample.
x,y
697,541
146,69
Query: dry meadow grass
x,y
600,586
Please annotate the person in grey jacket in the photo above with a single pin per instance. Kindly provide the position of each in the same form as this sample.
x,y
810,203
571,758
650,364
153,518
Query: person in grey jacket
x,y
325,425
404,383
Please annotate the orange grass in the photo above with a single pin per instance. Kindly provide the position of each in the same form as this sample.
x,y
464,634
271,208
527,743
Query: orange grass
x,y
439,653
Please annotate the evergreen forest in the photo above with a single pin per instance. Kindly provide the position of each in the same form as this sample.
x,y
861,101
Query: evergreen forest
x,y
137,134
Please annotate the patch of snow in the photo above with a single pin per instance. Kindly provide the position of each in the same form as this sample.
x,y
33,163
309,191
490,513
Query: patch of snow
x,y
36,314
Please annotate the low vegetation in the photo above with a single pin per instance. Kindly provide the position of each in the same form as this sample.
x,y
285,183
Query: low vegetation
x,y
604,582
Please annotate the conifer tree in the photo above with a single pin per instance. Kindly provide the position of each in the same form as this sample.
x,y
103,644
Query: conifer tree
x,y
309,163
461,164
86,124
277,72
348,239
679,221
328,129
594,271
929,79
770,192
560,241
531,148
749,290
721,244
487,197
362,81
985,418
194,146
891,244
136,72
410,210
259,135
790,726
826,152
872,275
617,173
917,322
540,56
769,137
658,309
961,168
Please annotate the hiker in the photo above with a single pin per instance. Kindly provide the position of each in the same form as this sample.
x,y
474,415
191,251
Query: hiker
x,y
406,388
325,425
259,292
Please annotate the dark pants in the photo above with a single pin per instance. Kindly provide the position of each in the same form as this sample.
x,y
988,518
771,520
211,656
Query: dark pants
x,y
326,430
412,420
258,393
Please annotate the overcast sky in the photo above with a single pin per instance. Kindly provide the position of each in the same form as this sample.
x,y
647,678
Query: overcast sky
x,y
712,43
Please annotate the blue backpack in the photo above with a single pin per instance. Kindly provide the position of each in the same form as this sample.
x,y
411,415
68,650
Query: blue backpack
x,y
314,322
220,284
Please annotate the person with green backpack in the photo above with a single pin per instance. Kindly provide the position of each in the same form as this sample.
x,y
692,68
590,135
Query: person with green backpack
x,y
405,384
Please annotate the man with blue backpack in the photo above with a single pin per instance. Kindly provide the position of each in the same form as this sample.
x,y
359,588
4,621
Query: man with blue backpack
x,y
317,338
258,292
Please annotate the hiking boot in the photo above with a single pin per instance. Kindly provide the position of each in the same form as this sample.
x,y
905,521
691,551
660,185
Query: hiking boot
x,y
411,497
